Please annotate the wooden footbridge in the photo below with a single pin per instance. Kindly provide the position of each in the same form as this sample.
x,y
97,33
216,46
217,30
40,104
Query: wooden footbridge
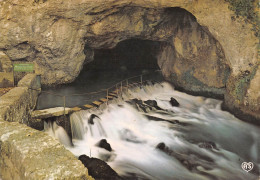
x,y
112,92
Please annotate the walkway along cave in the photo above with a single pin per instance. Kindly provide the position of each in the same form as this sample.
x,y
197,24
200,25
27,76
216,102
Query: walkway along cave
x,y
192,50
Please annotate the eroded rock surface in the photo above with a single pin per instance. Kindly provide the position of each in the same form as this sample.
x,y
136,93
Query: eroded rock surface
x,y
60,36
6,71
26,153
54,34
99,169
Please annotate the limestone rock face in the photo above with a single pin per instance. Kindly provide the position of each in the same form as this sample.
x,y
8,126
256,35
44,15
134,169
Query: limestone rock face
x,y
194,60
5,63
59,36
6,71
243,96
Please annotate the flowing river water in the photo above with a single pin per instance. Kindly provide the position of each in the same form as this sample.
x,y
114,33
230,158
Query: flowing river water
x,y
193,141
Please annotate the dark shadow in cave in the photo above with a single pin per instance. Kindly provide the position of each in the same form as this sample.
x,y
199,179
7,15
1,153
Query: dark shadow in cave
x,y
129,58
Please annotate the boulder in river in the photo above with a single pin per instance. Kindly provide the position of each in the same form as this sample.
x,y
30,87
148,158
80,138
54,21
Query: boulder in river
x,y
104,144
91,118
99,169
161,146
174,102
152,103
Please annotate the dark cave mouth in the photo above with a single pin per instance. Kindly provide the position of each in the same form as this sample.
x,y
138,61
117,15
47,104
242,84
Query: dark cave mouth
x,y
178,45
131,54
128,58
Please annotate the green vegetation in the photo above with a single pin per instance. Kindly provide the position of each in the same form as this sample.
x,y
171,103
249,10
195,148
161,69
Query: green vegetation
x,y
246,9
243,82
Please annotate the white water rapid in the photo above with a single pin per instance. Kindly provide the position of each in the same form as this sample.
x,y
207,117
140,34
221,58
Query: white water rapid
x,y
198,141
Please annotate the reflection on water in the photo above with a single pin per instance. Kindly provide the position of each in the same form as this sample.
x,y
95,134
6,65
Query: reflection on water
x,y
89,81
196,140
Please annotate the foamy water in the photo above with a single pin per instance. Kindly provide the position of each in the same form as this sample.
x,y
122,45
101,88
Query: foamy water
x,y
198,121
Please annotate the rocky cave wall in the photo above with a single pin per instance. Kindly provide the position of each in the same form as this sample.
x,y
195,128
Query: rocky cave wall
x,y
216,55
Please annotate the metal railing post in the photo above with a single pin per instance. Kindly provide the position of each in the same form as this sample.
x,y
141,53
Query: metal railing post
x,y
116,90
141,79
64,104
107,97
121,88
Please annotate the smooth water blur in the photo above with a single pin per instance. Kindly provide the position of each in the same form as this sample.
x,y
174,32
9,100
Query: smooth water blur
x,y
133,138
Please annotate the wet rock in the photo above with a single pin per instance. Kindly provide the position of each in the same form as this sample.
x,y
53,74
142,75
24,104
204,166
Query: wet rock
x,y
161,146
208,145
174,102
189,159
91,118
203,144
104,144
140,106
137,101
153,118
152,103
99,169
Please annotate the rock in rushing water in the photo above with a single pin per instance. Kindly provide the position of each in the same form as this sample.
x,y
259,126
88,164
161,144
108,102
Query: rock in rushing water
x,y
152,103
99,169
91,119
104,144
174,102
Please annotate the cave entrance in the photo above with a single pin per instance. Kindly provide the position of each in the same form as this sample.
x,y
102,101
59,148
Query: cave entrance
x,y
185,52
128,58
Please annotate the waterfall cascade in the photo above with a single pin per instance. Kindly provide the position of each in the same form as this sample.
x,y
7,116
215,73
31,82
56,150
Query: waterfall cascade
x,y
151,139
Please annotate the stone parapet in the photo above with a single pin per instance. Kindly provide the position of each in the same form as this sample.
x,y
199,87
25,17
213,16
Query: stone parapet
x,y
17,104
26,153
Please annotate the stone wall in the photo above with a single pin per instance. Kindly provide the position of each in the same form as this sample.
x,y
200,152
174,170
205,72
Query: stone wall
x,y
18,103
6,71
26,153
